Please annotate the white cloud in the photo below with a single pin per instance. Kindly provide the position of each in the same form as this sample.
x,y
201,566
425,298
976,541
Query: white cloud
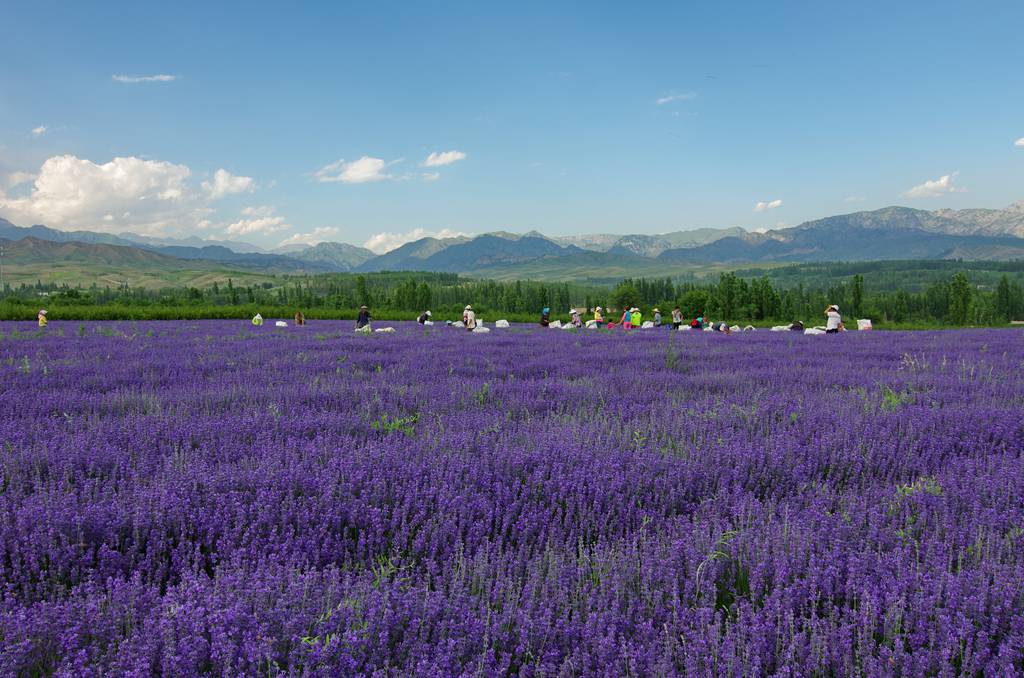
x,y
385,242
361,171
318,235
132,79
39,131
262,222
15,179
147,197
672,96
261,211
443,158
225,183
763,206
1019,143
933,188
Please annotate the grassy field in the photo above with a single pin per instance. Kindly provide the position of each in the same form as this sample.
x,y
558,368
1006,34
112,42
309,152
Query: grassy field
x,y
76,274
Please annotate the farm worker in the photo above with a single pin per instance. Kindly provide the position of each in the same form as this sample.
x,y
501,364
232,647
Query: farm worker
x,y
835,321
257,320
363,320
677,318
657,318
598,317
636,318
299,318
41,317
576,321
424,317
626,318
545,317
797,326
469,318
697,323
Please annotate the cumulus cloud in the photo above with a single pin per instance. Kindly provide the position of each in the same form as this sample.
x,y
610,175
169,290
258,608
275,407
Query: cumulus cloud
x,y
225,183
148,197
15,179
439,159
257,226
315,237
673,96
763,206
132,79
39,131
361,171
385,242
1019,143
934,188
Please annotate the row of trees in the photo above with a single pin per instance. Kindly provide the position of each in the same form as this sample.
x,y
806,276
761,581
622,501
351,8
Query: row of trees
x,y
955,300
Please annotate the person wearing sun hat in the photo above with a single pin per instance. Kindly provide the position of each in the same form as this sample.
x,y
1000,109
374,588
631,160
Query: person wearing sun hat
x,y
575,318
41,318
636,318
545,316
835,321
598,316
657,318
469,318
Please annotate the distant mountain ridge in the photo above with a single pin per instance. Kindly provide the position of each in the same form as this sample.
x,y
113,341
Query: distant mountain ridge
x,y
887,233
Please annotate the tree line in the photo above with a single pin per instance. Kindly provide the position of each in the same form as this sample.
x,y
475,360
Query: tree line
x,y
961,298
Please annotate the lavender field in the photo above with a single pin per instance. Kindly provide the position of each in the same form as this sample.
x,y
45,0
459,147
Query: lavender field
x,y
210,497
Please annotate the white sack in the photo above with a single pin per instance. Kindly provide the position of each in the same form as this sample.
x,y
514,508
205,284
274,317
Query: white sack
x,y
501,323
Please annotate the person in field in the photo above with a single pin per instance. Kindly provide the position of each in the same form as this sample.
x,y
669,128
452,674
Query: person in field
x,y
299,318
677,318
41,317
424,317
626,318
257,320
697,323
797,326
834,324
657,318
363,319
469,318
575,318
636,318
598,316
545,317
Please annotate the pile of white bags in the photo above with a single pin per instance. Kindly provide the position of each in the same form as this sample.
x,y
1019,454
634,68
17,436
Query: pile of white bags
x,y
749,328
709,329
458,324
566,326
685,327
428,322
591,324
648,324
780,328
280,323
501,323
365,329
555,323
864,324
734,328
481,330
387,330
814,330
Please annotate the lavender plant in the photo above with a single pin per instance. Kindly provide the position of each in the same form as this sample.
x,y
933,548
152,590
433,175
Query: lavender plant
x,y
215,498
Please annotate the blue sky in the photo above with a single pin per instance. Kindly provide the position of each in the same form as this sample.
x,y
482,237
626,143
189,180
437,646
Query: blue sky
x,y
562,117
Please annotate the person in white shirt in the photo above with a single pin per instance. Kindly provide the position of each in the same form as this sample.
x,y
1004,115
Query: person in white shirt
x,y
835,321
469,318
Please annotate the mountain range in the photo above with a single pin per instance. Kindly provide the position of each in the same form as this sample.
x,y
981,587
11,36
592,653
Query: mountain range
x,y
889,233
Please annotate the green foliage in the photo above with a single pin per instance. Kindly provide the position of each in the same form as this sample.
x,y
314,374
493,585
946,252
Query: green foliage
x,y
387,425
